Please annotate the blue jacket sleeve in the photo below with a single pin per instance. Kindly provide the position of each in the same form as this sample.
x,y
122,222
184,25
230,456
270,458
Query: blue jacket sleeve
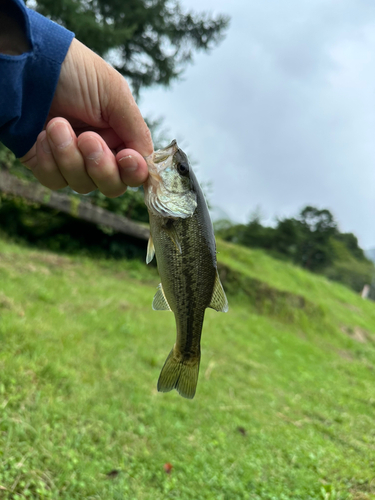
x,y
28,81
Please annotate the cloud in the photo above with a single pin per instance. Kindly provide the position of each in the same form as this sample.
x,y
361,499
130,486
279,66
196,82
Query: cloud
x,y
282,114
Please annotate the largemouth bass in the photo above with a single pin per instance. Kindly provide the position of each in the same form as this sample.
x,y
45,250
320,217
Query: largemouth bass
x,y
183,239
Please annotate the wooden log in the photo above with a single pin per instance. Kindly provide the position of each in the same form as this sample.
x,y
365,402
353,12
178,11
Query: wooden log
x,y
72,205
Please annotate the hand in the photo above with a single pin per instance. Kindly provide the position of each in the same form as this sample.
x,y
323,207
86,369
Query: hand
x,y
95,137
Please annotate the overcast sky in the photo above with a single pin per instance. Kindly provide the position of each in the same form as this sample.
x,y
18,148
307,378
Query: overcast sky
x,y
282,113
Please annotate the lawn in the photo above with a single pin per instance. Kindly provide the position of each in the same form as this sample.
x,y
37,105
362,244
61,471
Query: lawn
x,y
285,404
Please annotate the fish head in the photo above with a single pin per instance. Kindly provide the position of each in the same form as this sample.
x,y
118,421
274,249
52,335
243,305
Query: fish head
x,y
169,190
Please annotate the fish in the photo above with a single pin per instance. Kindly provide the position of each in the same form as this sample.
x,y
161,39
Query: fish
x,y
182,237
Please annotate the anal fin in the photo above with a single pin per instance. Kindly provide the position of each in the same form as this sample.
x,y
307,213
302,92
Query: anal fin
x,y
160,302
219,301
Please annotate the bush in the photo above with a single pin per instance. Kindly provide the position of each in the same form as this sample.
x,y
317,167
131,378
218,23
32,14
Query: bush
x,y
354,274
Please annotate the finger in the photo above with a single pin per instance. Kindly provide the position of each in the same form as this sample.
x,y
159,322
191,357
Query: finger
x,y
29,160
126,119
132,167
45,169
101,164
63,143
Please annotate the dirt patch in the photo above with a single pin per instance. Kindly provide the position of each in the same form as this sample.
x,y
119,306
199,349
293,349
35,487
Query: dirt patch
x,y
345,354
35,262
359,334
52,260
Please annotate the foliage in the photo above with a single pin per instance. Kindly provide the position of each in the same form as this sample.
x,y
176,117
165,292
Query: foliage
x,y
283,408
9,162
32,224
316,227
351,243
352,273
130,205
311,240
148,41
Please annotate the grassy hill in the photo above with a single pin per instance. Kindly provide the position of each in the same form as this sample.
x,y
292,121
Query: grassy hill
x,y
370,254
285,405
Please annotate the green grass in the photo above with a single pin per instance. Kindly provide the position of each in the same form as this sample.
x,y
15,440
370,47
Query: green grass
x,y
285,405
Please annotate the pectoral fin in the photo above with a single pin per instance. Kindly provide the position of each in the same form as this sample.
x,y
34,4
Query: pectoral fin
x,y
150,250
172,233
219,301
160,302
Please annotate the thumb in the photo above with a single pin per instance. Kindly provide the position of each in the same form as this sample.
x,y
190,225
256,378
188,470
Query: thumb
x,y
124,117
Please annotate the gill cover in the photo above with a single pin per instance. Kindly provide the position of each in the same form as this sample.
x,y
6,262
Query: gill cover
x,y
168,190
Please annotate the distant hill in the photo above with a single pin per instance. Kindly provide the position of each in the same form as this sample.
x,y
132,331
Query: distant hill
x,y
370,254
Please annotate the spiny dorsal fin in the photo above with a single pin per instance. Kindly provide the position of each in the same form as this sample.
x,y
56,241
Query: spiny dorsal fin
x,y
219,301
150,250
160,302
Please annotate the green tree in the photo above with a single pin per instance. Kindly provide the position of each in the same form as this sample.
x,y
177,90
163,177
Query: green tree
x,y
316,229
148,41
351,243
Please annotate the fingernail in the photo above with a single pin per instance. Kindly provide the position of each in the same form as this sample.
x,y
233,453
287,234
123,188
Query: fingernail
x,y
45,146
90,148
60,134
129,163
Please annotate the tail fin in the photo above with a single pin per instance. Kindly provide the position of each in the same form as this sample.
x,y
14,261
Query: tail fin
x,y
180,374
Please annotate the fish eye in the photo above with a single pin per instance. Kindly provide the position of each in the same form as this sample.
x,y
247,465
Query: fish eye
x,y
182,168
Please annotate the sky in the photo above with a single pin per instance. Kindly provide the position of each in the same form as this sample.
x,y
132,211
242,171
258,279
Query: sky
x,y
282,113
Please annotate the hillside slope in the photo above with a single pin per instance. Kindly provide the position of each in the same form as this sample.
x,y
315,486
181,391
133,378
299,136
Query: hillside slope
x,y
285,401
370,254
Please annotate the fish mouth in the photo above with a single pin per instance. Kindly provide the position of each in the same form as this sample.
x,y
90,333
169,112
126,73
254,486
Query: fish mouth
x,y
161,155
158,199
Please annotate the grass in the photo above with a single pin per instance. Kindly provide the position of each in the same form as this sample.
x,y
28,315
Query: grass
x,y
284,408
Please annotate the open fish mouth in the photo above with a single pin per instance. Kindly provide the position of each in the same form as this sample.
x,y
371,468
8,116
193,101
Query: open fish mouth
x,y
166,194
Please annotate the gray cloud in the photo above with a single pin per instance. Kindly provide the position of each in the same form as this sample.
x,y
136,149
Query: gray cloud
x,y
282,114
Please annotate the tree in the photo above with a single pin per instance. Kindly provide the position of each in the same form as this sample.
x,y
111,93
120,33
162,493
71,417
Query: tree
x,y
316,228
351,243
148,41
320,222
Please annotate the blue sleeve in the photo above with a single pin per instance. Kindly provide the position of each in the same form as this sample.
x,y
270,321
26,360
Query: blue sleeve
x,y
28,81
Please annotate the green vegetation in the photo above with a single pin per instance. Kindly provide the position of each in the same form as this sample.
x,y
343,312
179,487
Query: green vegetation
x,y
284,407
311,240
148,41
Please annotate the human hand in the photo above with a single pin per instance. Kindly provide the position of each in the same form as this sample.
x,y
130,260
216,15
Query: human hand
x,y
95,136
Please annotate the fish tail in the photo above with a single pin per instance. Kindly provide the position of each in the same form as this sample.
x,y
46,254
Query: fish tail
x,y
180,374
